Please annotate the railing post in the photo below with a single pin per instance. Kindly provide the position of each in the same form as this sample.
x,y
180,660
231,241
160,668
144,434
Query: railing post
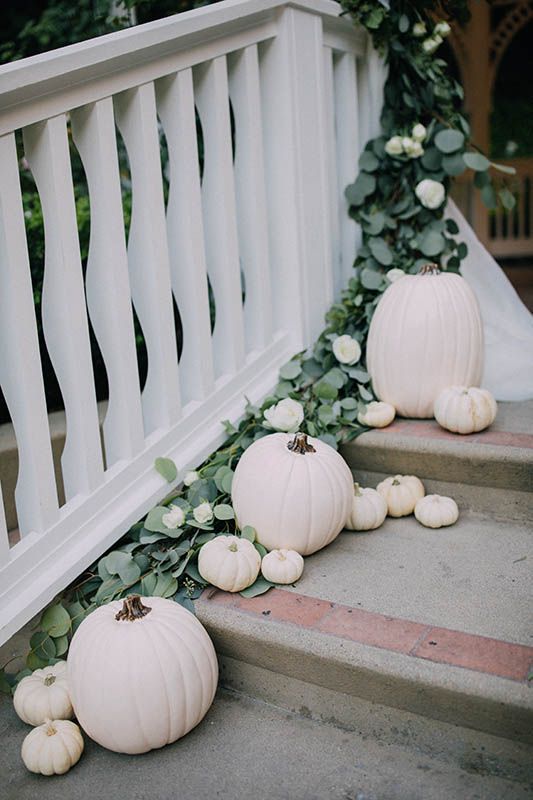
x,y
292,73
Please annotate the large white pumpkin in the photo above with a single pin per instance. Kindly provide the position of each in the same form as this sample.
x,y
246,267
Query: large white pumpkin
x,y
296,491
142,673
426,334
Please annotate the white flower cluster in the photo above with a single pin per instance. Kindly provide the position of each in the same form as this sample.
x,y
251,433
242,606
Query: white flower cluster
x,y
411,146
287,415
440,31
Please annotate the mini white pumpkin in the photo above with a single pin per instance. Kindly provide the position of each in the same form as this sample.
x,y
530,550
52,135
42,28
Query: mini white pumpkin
x,y
401,493
142,673
44,695
282,566
296,491
377,415
369,509
52,748
435,511
465,410
426,334
229,563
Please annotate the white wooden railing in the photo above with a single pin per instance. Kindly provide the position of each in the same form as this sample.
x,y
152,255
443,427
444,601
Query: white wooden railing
x,y
305,89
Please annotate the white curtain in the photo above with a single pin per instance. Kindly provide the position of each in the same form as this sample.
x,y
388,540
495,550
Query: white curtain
x,y
507,323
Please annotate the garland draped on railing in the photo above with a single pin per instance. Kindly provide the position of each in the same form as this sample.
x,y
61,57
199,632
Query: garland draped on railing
x,y
399,200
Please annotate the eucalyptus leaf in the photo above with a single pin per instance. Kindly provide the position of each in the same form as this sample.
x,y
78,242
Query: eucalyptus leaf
x,y
42,645
507,198
368,161
223,511
55,621
166,468
381,251
371,279
260,586
248,532
476,161
449,140
291,370
431,243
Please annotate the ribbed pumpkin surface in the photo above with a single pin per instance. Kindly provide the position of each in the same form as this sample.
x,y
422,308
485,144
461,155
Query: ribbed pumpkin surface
x,y
426,334
294,501
139,685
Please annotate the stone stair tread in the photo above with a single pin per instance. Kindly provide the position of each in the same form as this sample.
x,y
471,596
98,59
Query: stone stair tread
x,y
435,622
247,748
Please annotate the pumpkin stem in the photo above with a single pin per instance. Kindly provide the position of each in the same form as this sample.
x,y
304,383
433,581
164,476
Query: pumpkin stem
x,y
132,609
300,444
357,490
233,547
429,269
49,680
50,730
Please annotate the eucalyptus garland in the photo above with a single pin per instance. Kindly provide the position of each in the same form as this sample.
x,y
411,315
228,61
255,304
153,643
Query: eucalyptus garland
x,y
399,200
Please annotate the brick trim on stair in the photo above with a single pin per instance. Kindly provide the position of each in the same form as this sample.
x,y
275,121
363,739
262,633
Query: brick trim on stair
x,y
442,645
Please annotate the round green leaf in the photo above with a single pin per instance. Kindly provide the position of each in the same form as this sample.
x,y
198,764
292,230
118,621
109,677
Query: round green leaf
x,y
476,161
248,532
507,198
61,644
260,586
291,370
223,511
488,196
454,164
368,161
43,645
166,468
431,243
432,159
371,279
448,141
381,251
375,224
56,621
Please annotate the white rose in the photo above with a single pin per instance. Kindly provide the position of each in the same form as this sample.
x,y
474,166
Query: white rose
x,y
419,132
203,513
430,193
174,517
346,350
431,44
287,415
394,274
411,148
190,478
419,29
442,29
394,146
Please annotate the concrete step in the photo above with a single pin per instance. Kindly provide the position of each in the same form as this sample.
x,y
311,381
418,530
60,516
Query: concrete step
x,y
247,748
490,472
434,623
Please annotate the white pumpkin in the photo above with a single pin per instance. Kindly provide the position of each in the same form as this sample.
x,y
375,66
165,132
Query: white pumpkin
x,y
44,695
377,415
426,334
52,748
465,410
296,491
435,511
142,673
401,493
368,511
282,566
229,563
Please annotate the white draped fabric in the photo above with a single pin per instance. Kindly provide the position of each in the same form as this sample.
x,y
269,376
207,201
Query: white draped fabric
x,y
507,323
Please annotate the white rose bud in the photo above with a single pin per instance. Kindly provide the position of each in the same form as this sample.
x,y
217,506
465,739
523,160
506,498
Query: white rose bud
x,y
431,44
442,29
346,350
287,415
419,29
430,193
174,517
411,148
395,274
394,146
419,132
203,513
190,478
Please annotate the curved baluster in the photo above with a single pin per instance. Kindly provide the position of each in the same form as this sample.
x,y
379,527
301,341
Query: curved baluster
x,y
251,196
148,256
63,304
20,362
107,281
218,198
175,102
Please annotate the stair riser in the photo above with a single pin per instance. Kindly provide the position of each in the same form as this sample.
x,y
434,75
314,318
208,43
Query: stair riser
x,y
489,467
471,750
507,505
327,664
